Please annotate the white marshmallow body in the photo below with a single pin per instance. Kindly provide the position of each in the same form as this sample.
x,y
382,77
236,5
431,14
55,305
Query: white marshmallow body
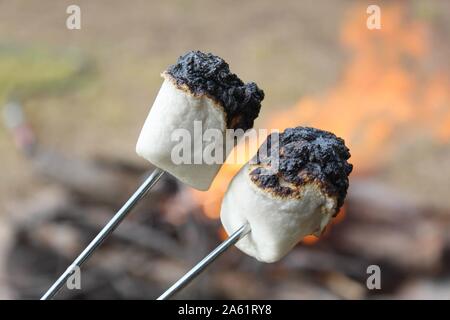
x,y
173,109
277,224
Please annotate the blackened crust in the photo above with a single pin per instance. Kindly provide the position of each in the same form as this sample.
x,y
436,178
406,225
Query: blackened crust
x,y
307,155
207,74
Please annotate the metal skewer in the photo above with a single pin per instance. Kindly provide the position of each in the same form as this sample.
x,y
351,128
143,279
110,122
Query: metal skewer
x,y
105,232
199,267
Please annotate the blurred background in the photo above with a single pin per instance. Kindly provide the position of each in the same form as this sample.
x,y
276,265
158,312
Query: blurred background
x,y
73,103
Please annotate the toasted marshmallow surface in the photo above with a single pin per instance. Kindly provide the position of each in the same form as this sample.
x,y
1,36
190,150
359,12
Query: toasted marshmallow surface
x,y
277,224
298,199
174,109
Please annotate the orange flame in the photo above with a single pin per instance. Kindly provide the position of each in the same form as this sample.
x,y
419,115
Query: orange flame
x,y
311,239
211,200
384,89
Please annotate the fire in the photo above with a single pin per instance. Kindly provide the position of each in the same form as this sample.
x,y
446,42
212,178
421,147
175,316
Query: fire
x,y
385,91
311,239
211,200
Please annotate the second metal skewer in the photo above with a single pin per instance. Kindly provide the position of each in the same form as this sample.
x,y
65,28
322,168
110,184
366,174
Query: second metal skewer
x,y
198,268
105,232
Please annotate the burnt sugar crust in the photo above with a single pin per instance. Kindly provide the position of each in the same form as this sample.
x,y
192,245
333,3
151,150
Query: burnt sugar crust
x,y
307,155
207,74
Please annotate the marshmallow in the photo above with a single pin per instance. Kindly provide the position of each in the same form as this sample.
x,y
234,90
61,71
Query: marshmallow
x,y
199,93
299,199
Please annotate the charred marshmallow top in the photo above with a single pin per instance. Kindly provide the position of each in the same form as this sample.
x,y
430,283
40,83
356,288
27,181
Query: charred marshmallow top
x,y
307,155
207,74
